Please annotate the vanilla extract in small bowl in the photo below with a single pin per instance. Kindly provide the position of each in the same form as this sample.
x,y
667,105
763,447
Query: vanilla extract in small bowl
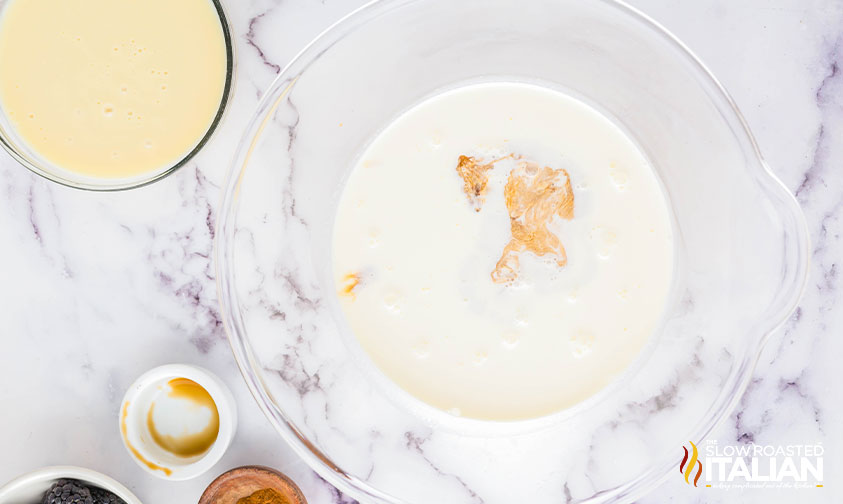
x,y
184,399
176,421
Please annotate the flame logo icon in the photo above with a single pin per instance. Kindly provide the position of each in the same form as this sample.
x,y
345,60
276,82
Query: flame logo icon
x,y
686,467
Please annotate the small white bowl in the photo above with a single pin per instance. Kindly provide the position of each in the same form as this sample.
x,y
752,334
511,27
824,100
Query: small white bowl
x,y
138,440
32,487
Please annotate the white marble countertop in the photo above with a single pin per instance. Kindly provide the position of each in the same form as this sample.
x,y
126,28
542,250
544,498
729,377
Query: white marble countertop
x,y
98,288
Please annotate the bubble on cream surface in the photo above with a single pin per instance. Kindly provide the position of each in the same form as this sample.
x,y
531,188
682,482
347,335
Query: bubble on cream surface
x,y
502,172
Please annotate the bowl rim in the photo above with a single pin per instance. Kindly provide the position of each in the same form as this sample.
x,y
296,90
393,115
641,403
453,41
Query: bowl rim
x,y
117,184
776,314
54,473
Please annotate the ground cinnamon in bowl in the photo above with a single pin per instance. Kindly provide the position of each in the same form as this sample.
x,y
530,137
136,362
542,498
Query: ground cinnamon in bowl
x,y
264,496
252,485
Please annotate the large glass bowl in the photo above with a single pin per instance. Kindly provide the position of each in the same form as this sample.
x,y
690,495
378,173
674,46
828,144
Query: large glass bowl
x,y
742,253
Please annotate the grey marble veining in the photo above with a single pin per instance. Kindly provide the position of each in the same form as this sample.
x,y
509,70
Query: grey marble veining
x,y
97,288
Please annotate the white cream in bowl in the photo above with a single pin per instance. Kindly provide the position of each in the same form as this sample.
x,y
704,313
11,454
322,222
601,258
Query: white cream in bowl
x,y
503,251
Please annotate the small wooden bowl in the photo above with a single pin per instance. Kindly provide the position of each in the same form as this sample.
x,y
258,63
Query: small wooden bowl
x,y
244,481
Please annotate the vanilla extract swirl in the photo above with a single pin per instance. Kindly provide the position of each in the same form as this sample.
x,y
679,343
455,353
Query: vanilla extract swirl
x,y
534,195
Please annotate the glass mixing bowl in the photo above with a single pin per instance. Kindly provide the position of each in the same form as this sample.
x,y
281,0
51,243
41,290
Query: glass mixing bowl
x,y
18,148
741,247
